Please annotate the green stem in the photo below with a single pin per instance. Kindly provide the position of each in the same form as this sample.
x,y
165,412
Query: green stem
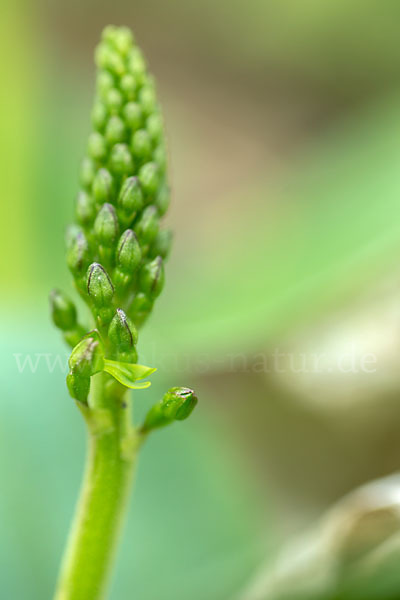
x,y
110,463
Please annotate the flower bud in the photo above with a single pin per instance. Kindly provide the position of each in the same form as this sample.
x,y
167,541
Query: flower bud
x,y
105,81
160,158
88,170
97,147
148,177
85,208
121,160
102,188
99,286
128,86
133,115
130,199
162,244
114,100
128,258
147,99
115,130
148,225
137,65
78,254
108,33
141,145
122,40
163,199
108,59
154,126
106,225
129,254
78,386
63,311
70,234
152,277
87,356
123,336
86,359
140,308
99,116
178,403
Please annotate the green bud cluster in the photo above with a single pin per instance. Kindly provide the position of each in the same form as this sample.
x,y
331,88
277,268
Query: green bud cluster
x,y
116,247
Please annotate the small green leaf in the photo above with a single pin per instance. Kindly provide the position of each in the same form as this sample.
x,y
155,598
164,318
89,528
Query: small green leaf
x,y
128,374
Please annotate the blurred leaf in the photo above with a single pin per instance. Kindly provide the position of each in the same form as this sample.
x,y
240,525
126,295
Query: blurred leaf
x,y
17,141
352,553
330,230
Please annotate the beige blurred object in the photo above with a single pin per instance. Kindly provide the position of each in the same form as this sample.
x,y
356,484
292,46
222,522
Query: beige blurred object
x,y
349,356
349,546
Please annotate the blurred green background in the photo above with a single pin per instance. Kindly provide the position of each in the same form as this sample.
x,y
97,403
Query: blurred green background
x,y
283,121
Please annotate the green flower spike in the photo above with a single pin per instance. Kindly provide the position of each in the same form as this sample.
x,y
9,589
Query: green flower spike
x,y
116,250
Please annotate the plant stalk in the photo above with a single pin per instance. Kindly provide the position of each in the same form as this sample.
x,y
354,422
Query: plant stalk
x,y
112,449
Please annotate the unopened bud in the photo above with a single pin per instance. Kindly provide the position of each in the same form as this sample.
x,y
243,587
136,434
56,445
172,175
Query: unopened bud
x,y
85,208
105,82
133,115
129,254
115,130
162,200
122,39
78,254
63,311
102,186
86,359
128,86
148,225
97,147
147,99
130,199
88,171
141,145
137,65
148,177
121,160
99,286
152,277
123,336
140,308
160,158
99,116
106,225
162,244
114,100
154,126
108,58
178,403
